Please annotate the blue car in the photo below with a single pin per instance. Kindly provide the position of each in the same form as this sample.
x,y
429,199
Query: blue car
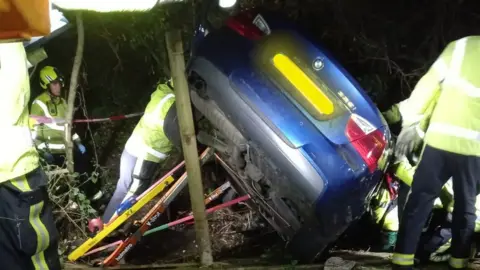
x,y
292,127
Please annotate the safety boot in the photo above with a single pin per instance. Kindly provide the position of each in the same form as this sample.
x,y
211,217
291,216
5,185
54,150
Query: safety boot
x,y
388,240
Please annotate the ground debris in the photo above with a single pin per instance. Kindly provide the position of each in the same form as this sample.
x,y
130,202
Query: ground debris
x,y
225,228
337,263
365,260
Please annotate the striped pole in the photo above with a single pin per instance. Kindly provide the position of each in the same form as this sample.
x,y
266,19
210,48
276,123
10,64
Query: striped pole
x,y
47,120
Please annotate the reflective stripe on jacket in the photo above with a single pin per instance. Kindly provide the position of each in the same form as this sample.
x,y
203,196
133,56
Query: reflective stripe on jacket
x,y
453,83
108,6
148,140
18,154
400,113
50,136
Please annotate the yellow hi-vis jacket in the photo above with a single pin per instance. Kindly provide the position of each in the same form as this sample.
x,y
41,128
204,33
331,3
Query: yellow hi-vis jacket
x,y
148,140
454,85
390,221
50,136
404,171
18,153
402,168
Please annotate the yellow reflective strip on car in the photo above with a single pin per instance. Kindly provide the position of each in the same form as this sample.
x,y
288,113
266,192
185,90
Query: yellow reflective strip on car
x,y
310,91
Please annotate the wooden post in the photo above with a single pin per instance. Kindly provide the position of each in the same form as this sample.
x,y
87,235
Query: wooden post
x,y
189,143
72,92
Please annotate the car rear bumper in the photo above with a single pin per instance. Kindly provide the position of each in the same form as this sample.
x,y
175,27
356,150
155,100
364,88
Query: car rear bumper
x,y
334,215
290,161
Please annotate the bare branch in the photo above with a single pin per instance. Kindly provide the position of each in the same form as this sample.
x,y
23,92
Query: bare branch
x,y
73,92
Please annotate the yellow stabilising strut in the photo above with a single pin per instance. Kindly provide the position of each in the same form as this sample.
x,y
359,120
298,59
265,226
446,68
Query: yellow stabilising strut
x,y
91,242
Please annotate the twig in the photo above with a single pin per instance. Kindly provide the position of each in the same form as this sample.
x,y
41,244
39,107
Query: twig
x,y
118,66
56,173
71,220
83,104
73,91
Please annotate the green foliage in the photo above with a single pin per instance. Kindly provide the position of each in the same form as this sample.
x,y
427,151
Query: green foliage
x,y
71,208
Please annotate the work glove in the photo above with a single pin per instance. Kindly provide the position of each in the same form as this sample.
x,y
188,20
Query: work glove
x,y
407,141
95,225
82,148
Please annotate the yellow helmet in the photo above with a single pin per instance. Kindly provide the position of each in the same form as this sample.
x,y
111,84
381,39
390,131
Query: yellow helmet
x,y
49,74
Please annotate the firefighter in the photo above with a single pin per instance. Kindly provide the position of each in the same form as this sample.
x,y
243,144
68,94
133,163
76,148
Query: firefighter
x,y
387,207
147,146
436,245
385,214
50,137
28,233
29,239
451,149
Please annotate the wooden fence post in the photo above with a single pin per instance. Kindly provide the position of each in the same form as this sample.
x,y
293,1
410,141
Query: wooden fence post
x,y
189,143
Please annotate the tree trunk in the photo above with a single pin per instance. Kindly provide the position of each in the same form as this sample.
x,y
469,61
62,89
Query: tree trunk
x,y
189,144
72,92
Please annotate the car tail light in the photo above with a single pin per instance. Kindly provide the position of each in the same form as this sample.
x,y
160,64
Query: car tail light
x,y
366,139
243,24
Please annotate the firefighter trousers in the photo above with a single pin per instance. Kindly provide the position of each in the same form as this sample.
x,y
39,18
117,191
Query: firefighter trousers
x,y
433,171
29,239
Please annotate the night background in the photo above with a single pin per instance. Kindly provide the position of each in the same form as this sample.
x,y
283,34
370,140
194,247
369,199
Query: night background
x,y
385,45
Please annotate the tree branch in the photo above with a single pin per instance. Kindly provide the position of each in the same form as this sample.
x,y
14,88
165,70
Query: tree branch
x,y
73,92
